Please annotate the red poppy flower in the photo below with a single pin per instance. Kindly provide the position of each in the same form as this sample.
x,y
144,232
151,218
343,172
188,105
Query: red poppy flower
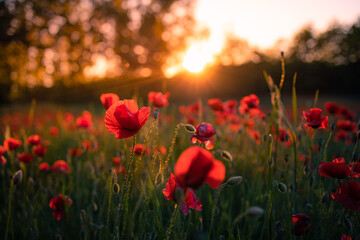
x,y
44,166
124,119
58,204
314,119
196,166
2,160
334,169
85,120
39,150
346,113
348,194
301,224
60,166
344,136
68,117
116,161
248,102
345,237
230,106
203,134
283,136
11,144
140,150
216,104
25,158
186,198
331,107
107,99
355,167
346,125
120,169
54,131
33,140
89,146
161,149
158,99
75,152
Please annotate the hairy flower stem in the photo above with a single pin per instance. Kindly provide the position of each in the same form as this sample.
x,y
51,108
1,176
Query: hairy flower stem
x,y
353,153
171,150
126,188
11,195
109,206
217,194
172,220
270,189
323,155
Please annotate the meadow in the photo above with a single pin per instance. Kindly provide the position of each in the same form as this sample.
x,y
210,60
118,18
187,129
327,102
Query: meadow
x,y
215,169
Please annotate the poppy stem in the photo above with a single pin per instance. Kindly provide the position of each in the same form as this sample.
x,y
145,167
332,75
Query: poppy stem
x,y
109,205
171,150
172,220
353,153
323,156
217,194
126,189
11,195
271,139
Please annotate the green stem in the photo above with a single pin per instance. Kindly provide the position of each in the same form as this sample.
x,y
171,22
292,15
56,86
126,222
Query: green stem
x,y
109,206
217,194
11,194
172,220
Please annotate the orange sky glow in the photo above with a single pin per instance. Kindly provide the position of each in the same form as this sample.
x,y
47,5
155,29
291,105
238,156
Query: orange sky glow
x,y
261,22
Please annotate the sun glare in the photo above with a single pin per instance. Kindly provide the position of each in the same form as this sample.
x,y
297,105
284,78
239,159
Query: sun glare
x,y
196,57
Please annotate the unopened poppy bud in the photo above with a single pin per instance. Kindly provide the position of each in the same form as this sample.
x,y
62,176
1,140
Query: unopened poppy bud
x,y
287,158
190,128
17,177
332,127
265,137
347,224
282,54
325,198
156,113
282,187
255,211
309,206
307,170
116,188
226,155
234,180
221,237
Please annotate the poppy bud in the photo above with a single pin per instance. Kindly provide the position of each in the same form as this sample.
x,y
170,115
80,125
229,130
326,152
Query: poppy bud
x,y
282,54
156,113
255,211
347,224
221,237
325,198
332,127
234,180
281,187
307,170
190,128
17,177
265,137
226,155
309,206
287,158
116,188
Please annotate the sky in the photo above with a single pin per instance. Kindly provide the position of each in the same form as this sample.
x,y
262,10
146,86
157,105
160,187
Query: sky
x,y
263,22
